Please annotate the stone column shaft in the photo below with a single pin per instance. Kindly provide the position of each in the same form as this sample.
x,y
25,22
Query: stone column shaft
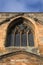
x,y
27,39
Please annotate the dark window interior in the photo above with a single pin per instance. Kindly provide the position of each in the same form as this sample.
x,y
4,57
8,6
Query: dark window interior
x,y
17,40
24,40
30,39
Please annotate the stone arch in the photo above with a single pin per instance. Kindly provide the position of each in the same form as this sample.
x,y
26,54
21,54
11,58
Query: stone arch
x,y
30,23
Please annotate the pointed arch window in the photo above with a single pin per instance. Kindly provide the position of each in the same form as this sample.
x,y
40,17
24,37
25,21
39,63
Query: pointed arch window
x,y
20,37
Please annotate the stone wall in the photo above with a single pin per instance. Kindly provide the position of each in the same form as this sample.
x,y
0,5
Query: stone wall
x,y
38,32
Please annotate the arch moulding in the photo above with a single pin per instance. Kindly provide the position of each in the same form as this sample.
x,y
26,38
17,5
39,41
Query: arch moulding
x,y
30,23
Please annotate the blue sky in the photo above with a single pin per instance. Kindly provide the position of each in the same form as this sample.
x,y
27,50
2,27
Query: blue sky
x,y
21,5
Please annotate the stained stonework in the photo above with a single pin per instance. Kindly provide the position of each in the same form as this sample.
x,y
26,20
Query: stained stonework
x,y
21,58
35,21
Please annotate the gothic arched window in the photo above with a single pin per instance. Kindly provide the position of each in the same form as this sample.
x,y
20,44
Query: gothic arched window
x,y
20,35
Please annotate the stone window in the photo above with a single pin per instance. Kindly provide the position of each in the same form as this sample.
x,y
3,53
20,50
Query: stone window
x,y
20,35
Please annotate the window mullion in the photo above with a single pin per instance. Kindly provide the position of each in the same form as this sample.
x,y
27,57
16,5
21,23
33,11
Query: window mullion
x,y
27,39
